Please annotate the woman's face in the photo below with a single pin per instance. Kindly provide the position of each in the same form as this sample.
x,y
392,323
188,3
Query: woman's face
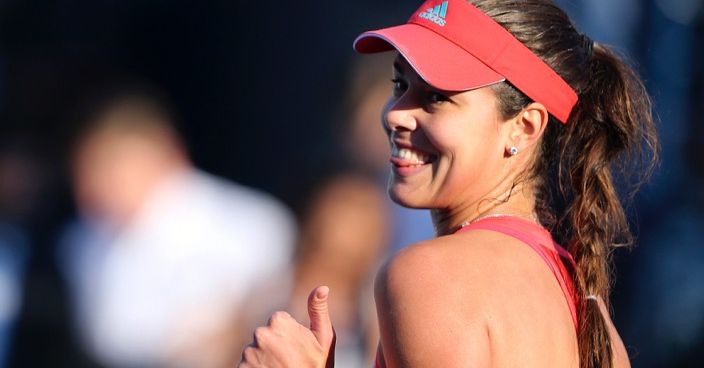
x,y
448,148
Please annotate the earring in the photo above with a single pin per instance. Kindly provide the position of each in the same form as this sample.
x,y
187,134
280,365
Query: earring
x,y
513,151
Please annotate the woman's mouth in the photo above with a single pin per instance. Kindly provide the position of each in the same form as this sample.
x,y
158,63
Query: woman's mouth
x,y
403,157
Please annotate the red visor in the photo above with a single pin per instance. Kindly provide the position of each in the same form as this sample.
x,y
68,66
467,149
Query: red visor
x,y
454,46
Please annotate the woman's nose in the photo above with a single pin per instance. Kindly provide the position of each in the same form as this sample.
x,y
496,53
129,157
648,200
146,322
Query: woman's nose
x,y
396,117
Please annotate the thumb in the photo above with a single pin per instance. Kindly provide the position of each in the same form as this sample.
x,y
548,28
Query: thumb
x,y
319,315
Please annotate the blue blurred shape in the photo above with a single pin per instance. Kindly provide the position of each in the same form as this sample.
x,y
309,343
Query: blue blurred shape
x,y
681,11
13,259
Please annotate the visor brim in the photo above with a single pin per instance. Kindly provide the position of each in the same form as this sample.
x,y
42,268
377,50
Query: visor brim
x,y
440,62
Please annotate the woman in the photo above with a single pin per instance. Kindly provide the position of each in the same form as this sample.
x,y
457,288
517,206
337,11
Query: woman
x,y
506,122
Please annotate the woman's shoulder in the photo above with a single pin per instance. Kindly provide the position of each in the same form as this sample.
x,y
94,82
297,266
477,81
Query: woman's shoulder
x,y
492,285
471,259
426,316
441,264
478,274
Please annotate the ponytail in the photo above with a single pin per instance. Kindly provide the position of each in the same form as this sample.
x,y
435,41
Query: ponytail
x,y
573,172
611,121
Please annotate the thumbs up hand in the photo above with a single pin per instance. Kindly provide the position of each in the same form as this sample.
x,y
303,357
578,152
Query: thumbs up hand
x,y
320,324
284,342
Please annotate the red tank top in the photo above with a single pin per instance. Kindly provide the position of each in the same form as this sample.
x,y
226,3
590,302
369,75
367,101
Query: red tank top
x,y
537,238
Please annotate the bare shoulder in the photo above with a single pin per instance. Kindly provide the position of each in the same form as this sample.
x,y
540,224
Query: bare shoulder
x,y
478,296
449,268
425,315
483,264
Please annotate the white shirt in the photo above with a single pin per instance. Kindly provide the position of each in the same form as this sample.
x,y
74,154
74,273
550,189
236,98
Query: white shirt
x,y
189,258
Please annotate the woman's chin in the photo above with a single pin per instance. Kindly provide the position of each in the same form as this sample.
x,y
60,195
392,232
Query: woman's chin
x,y
406,199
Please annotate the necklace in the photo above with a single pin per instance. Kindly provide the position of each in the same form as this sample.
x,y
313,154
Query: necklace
x,y
532,218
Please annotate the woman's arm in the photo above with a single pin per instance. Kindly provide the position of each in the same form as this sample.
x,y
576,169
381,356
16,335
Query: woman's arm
x,y
428,314
284,342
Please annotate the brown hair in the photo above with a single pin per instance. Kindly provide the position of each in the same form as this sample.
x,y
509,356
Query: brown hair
x,y
573,170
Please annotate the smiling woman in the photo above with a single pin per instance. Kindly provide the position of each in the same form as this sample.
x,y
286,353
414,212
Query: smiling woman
x,y
458,133
506,123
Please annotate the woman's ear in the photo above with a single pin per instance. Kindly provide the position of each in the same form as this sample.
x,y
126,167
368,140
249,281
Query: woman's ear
x,y
528,126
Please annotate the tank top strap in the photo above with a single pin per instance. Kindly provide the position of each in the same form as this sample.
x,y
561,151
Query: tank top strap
x,y
379,360
540,240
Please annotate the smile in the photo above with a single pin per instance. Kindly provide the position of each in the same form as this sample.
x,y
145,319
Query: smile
x,y
410,157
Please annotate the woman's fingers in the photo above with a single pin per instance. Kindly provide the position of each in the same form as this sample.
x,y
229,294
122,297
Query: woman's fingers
x,y
284,342
259,336
250,358
319,315
320,324
279,318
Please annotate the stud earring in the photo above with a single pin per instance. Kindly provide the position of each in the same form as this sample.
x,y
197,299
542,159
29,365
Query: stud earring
x,y
513,151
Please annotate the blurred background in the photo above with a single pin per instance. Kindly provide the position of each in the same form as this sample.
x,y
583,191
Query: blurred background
x,y
209,162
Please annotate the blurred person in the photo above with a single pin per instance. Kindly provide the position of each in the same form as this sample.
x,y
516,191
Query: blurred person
x,y
349,225
18,194
163,256
510,125
344,235
13,261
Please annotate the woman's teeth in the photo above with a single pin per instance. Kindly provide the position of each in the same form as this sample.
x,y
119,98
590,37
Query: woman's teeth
x,y
415,157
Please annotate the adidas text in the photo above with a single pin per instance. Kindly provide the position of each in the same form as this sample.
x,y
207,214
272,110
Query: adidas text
x,y
433,18
436,14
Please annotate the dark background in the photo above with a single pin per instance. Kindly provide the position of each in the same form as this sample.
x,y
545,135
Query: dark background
x,y
258,88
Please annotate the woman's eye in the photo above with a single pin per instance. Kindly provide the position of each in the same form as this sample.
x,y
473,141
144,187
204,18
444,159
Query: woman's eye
x,y
435,97
399,86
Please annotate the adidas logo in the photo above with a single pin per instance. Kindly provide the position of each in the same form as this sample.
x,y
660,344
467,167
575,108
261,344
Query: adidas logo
x,y
436,14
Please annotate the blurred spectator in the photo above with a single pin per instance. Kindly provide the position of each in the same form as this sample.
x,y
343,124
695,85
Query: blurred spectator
x,y
13,258
344,233
164,255
17,190
349,225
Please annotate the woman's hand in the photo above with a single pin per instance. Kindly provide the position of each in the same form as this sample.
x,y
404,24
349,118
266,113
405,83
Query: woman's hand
x,y
284,342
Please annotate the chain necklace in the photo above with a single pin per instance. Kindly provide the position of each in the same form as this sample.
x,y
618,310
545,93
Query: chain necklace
x,y
532,218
